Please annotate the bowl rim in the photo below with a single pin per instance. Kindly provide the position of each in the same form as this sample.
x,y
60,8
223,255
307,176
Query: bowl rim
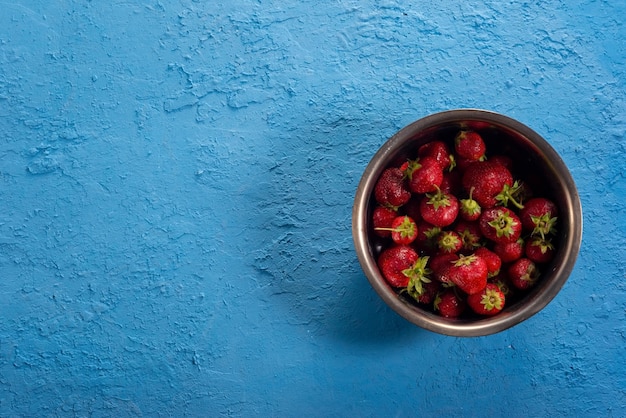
x,y
570,215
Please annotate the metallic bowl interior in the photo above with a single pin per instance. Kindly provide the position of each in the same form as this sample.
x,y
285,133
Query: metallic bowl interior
x,y
540,164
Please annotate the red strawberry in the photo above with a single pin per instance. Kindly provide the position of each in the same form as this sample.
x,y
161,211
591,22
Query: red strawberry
x,y
492,183
470,234
448,304
395,264
390,189
412,208
505,160
382,218
427,234
492,259
430,292
425,175
451,182
403,230
509,251
438,264
437,150
470,210
449,242
488,302
539,216
539,250
500,225
469,273
439,209
523,273
469,145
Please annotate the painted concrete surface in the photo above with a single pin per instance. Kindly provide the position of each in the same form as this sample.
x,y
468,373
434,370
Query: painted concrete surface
x,y
176,183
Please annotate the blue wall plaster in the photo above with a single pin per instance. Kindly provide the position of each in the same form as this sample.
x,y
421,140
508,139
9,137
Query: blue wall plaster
x,y
176,182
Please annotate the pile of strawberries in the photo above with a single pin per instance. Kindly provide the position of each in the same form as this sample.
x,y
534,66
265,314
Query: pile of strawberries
x,y
461,235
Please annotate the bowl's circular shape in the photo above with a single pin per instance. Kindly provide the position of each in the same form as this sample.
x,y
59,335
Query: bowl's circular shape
x,y
541,163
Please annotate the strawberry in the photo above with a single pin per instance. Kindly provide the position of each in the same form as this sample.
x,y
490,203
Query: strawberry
x,y
505,160
487,302
448,304
412,208
438,264
437,150
500,225
449,242
469,210
439,208
425,175
539,216
469,145
492,184
427,234
396,263
390,189
451,182
470,234
382,218
469,273
509,251
492,259
403,230
539,250
523,273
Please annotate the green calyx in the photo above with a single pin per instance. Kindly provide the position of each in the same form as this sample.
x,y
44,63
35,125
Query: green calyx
x,y
438,199
412,165
544,225
406,229
510,194
543,244
418,275
503,224
469,205
465,260
492,299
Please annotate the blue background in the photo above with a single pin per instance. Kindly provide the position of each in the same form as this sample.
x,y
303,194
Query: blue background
x,y
176,182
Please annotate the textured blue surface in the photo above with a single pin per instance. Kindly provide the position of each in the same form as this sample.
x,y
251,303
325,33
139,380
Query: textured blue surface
x,y
176,182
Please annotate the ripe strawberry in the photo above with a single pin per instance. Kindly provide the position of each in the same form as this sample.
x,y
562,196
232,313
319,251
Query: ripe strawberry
x,y
382,218
427,234
439,209
539,216
425,175
488,302
430,292
449,242
470,235
469,145
509,251
438,264
469,273
523,273
539,250
500,225
492,184
390,189
437,150
395,264
451,182
505,160
448,304
403,230
412,208
492,259
470,210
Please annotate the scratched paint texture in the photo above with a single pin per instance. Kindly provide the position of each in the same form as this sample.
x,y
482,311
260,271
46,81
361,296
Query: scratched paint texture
x,y
176,182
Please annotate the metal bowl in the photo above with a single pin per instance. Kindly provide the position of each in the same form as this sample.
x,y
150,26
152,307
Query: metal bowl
x,y
541,165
